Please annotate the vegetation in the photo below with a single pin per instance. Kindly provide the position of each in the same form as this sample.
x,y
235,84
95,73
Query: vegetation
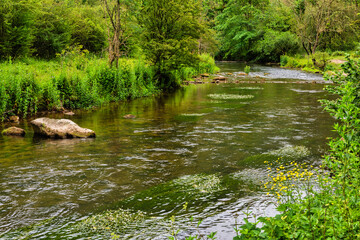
x,y
53,52
264,30
325,206
84,53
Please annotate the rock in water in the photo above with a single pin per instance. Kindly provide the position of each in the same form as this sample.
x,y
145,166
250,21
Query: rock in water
x,y
129,116
60,128
14,131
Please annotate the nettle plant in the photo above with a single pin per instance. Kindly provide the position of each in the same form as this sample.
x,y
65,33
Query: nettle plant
x,y
322,203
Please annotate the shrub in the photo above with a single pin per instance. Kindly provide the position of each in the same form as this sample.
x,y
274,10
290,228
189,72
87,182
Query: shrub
x,y
247,69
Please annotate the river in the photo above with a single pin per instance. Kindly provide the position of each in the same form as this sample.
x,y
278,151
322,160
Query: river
x,y
204,131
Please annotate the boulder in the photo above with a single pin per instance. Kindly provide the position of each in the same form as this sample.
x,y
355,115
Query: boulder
x,y
69,113
205,75
220,78
14,131
60,128
14,119
129,116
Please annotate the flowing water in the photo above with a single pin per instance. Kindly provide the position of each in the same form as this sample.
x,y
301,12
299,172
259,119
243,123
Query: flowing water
x,y
200,132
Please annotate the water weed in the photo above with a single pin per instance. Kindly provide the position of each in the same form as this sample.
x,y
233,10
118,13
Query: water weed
x,y
111,221
294,152
229,96
249,88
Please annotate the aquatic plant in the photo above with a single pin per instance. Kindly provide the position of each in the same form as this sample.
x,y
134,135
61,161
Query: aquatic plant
x,y
255,176
287,154
293,152
249,88
189,116
200,183
111,221
225,96
193,114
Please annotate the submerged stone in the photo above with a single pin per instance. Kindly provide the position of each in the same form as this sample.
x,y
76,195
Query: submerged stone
x,y
60,128
14,131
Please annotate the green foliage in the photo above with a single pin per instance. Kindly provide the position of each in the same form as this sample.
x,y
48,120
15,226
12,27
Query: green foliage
x,y
329,209
43,28
80,83
255,31
87,28
247,69
16,21
51,29
171,30
274,44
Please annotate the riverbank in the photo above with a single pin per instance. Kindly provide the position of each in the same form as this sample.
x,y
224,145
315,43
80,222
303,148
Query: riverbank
x,y
79,82
327,63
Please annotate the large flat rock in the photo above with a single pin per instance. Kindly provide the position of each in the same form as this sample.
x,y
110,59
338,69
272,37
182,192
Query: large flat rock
x,y
60,128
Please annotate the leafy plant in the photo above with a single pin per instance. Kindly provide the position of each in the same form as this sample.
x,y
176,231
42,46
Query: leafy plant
x,y
247,69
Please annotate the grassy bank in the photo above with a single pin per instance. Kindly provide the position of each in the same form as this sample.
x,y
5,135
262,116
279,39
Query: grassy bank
x,y
322,203
327,62
76,81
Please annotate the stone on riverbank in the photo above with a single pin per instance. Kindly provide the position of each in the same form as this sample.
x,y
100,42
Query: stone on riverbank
x,y
14,131
14,119
60,128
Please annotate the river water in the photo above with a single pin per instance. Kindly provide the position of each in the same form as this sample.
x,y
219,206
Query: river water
x,y
201,130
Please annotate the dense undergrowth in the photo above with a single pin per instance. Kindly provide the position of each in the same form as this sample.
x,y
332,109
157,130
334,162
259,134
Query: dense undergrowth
x,y
75,81
325,206
326,62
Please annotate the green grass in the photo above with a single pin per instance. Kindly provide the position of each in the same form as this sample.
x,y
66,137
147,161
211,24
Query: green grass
x,y
78,81
304,62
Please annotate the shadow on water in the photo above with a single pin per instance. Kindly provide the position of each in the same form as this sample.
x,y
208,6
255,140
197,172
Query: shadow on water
x,y
177,145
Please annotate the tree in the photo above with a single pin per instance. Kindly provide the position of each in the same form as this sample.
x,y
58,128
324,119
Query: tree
x,y
316,19
238,25
88,27
16,25
171,30
120,15
51,29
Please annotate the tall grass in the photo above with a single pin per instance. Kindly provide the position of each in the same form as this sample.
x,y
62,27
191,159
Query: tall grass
x,y
77,81
30,86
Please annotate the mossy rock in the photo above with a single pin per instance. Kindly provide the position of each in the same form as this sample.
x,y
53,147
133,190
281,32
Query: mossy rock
x,y
14,131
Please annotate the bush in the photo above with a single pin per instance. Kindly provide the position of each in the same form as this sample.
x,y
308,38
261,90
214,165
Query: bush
x,y
247,69
275,44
